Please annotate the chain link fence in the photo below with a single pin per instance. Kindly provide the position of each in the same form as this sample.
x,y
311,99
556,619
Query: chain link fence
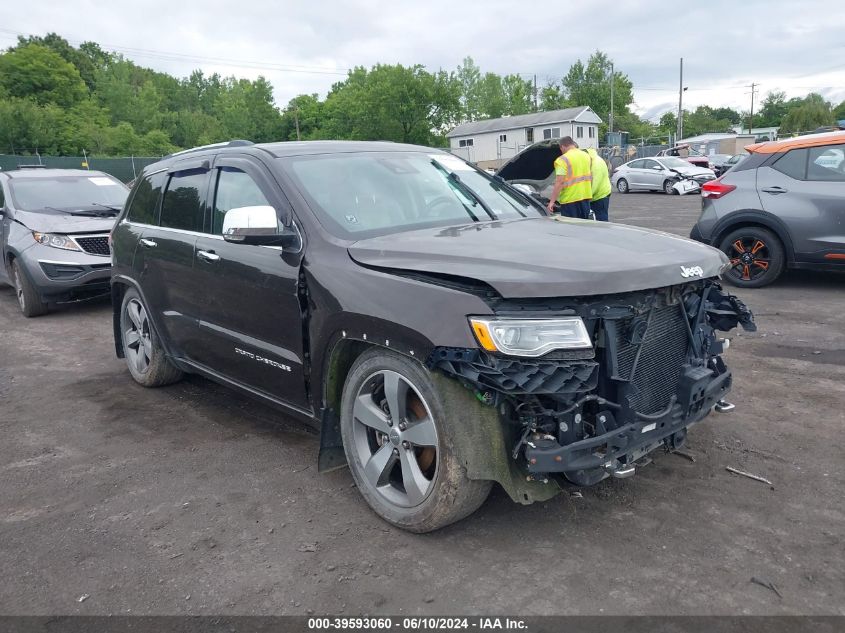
x,y
124,169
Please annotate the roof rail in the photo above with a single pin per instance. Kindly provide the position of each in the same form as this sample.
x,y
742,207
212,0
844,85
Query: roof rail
x,y
233,143
33,166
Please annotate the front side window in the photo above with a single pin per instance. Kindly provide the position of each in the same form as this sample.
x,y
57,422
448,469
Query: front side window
x,y
181,207
235,188
380,193
142,207
793,164
827,163
651,164
39,193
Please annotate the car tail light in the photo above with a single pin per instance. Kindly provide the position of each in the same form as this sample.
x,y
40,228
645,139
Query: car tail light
x,y
716,189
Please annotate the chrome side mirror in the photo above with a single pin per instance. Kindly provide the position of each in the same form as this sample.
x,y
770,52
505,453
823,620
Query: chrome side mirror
x,y
258,225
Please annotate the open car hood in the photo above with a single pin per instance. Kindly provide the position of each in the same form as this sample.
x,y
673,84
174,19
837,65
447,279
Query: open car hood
x,y
546,257
535,162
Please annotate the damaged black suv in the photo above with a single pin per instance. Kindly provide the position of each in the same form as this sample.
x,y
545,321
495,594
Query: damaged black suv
x,y
437,327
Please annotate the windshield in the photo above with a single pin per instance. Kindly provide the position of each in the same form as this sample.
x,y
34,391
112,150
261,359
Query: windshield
x,y
67,192
378,193
673,162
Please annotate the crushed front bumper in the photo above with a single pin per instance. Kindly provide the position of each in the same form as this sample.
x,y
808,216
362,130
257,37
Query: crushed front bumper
x,y
618,449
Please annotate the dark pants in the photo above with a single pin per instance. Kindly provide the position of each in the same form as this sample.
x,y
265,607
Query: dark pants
x,y
600,207
580,209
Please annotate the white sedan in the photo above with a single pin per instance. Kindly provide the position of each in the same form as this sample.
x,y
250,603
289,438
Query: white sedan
x,y
657,174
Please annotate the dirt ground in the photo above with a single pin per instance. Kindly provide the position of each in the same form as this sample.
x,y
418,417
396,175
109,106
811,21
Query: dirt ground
x,y
194,500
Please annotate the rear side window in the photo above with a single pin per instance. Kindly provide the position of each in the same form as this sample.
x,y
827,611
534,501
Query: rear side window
x,y
793,164
181,207
636,164
235,188
142,208
827,163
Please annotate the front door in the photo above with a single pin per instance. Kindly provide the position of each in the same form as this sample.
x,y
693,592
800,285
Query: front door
x,y
251,322
806,189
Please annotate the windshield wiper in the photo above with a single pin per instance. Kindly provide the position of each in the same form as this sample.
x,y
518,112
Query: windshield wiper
x,y
466,190
107,206
499,183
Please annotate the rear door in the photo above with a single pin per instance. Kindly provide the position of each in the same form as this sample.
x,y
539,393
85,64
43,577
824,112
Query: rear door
x,y
164,258
806,189
636,178
251,323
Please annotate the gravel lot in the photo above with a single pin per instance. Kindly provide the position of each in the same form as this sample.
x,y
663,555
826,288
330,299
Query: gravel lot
x,y
192,499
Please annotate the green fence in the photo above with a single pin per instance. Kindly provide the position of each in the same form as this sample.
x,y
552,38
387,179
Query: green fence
x,y
124,169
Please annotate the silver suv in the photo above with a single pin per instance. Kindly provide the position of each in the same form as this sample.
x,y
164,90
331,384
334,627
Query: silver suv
x,y
782,207
54,234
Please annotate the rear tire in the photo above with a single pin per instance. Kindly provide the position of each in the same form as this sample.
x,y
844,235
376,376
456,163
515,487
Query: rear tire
x,y
622,186
399,448
28,297
144,354
757,255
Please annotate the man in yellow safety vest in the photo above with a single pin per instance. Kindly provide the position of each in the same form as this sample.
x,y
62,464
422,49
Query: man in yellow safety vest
x,y
572,190
600,186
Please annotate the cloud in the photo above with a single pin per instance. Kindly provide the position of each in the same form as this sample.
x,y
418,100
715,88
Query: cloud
x,y
304,47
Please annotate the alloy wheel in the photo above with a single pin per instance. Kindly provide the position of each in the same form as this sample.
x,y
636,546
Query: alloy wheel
x,y
395,439
750,258
137,343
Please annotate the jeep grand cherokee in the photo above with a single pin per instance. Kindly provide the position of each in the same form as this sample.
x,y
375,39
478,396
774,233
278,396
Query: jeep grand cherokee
x,y
438,328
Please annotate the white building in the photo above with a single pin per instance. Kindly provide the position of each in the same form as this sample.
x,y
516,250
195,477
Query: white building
x,y
491,142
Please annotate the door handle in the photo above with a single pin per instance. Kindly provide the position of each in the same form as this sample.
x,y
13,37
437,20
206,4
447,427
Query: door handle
x,y
775,190
148,243
209,256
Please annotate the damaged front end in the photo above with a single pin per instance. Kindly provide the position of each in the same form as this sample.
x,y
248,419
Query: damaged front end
x,y
655,368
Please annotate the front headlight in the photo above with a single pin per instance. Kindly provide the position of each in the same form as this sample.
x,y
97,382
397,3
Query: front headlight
x,y
530,337
56,241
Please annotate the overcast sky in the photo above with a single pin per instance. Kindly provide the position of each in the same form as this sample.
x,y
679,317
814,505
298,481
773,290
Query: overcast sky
x,y
300,46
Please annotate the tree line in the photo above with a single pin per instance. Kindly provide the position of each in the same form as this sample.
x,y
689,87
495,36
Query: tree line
x,y
62,100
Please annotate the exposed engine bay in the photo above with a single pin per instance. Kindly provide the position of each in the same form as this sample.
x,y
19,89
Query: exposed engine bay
x,y
583,415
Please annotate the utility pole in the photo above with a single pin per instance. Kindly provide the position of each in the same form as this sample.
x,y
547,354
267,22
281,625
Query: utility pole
x,y
535,93
680,133
610,123
751,112
296,120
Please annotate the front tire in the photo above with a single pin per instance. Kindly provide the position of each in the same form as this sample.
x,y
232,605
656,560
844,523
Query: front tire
x,y
28,297
144,354
622,186
757,257
399,447
668,187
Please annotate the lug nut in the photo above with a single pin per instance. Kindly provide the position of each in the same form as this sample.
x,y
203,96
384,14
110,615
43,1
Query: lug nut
x,y
396,452
406,444
402,426
389,422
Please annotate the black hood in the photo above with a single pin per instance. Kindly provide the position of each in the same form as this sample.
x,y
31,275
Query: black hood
x,y
535,162
546,257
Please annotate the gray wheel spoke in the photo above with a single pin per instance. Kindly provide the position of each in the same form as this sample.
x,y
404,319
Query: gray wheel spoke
x,y
148,347
368,414
132,338
140,360
396,392
416,485
377,469
134,312
422,433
